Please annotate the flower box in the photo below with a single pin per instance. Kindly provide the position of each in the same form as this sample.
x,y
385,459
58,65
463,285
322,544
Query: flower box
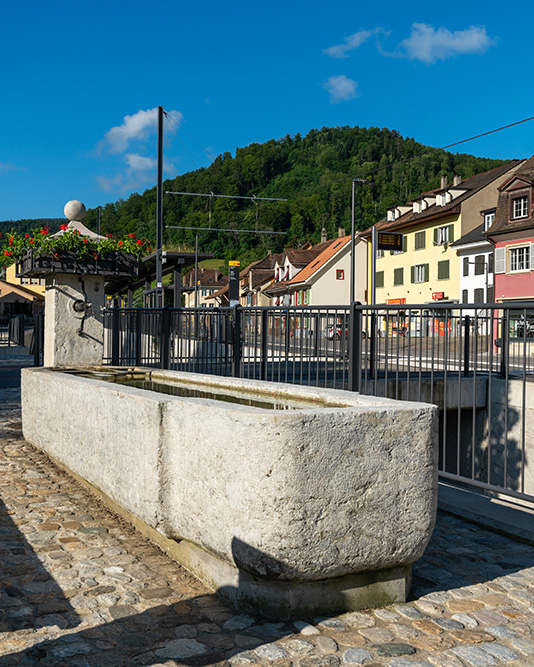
x,y
38,265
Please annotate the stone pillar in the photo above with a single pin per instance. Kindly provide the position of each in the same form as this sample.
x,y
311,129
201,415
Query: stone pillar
x,y
74,325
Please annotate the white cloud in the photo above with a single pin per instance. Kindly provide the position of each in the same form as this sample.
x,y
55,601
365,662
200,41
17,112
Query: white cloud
x,y
136,127
352,42
138,162
7,166
140,171
341,88
429,45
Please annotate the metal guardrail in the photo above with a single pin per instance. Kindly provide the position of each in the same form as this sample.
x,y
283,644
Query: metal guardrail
x,y
12,330
474,361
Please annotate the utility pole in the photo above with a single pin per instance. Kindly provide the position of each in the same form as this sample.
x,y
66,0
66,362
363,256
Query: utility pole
x,y
361,181
159,215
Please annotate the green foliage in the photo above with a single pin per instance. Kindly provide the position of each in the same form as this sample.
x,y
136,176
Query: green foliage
x,y
314,173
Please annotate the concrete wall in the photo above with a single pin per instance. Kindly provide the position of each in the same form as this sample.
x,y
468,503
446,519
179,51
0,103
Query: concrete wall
x,y
74,337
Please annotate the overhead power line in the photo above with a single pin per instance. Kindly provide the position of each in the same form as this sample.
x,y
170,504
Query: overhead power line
x,y
456,143
210,194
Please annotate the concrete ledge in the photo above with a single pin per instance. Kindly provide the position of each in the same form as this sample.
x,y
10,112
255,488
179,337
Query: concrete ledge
x,y
506,516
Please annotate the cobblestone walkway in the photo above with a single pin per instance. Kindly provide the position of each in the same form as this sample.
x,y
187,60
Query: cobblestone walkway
x,y
80,588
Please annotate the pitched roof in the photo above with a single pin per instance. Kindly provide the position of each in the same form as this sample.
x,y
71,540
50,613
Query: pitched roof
x,y
502,223
302,257
471,186
332,249
474,236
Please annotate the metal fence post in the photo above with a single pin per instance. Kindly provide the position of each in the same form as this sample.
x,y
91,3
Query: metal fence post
x,y
355,347
372,346
504,343
37,339
263,344
138,335
467,323
115,336
165,337
236,362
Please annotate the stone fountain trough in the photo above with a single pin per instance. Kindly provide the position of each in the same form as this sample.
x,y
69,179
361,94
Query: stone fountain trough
x,y
318,507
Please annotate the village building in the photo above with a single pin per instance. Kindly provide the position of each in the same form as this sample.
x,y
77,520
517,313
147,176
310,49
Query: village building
x,y
428,268
209,282
512,234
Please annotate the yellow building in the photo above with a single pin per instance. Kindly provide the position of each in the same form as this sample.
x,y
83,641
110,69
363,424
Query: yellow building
x,y
427,270
36,285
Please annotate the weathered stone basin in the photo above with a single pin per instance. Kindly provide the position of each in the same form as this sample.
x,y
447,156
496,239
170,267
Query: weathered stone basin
x,y
292,512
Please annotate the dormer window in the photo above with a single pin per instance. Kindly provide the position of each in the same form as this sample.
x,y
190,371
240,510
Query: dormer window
x,y
416,207
519,207
391,215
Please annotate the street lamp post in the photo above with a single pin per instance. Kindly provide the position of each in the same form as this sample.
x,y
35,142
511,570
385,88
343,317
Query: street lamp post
x,y
361,181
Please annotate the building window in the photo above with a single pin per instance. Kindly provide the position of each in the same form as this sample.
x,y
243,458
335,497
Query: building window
x,y
420,240
379,279
420,273
307,297
24,281
520,259
479,295
480,265
444,235
465,296
466,266
443,270
340,274
489,217
398,277
519,207
379,254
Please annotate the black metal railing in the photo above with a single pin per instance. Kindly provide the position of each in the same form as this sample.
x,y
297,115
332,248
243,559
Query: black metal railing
x,y
475,362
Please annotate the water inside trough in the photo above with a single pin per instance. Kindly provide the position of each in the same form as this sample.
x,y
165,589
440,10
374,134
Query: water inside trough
x,y
237,396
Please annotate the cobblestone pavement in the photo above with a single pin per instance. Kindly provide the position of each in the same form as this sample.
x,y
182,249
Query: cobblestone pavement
x,y
81,588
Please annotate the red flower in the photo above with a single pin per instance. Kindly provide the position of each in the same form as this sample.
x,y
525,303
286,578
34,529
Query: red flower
x,y
44,231
139,242
86,240
32,240
120,242
7,253
131,236
26,236
63,227
109,236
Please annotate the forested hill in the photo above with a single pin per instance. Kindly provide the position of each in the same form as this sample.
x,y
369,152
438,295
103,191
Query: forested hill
x,y
313,172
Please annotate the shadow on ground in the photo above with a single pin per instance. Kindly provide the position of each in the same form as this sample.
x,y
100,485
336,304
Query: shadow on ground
x,y
189,632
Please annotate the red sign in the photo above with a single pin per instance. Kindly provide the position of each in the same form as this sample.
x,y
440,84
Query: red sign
x,y
438,296
393,302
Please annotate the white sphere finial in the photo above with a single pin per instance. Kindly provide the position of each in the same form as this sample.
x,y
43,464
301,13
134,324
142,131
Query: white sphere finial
x,y
74,210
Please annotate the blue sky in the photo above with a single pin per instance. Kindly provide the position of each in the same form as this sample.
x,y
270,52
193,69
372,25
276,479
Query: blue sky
x,y
81,83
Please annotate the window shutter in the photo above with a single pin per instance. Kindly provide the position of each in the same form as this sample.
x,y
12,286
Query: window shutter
x,y
436,236
451,233
404,243
426,272
466,267
412,274
500,260
465,296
